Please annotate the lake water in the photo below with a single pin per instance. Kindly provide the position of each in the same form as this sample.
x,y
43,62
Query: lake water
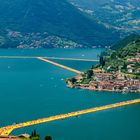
x,y
32,89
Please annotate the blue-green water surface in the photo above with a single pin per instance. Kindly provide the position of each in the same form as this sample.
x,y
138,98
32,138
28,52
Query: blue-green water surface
x,y
32,89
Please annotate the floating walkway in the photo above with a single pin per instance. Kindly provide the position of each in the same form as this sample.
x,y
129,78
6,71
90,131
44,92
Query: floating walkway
x,y
59,65
46,59
55,58
6,131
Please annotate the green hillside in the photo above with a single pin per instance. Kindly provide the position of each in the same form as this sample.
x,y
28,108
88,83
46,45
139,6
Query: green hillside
x,y
127,53
124,42
122,15
58,18
118,70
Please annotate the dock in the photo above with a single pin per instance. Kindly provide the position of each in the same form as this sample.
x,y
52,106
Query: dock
x,y
6,131
51,58
60,65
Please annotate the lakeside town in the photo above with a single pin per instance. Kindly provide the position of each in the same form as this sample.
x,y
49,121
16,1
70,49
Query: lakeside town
x,y
16,39
39,40
101,80
107,82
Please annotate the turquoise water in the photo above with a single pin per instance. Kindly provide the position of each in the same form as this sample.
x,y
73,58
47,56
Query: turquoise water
x,y
32,89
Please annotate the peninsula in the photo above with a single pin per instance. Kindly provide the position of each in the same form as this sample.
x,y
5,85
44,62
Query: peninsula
x,y
118,70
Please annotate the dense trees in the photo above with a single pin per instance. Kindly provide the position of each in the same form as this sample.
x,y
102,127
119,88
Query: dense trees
x,y
48,138
102,61
73,80
124,42
35,136
115,59
89,74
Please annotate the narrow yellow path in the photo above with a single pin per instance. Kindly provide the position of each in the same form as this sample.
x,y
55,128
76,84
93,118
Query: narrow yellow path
x,y
55,58
59,65
6,131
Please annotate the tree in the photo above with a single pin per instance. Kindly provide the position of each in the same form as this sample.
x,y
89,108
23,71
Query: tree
x,y
32,134
73,80
35,133
48,138
102,61
89,74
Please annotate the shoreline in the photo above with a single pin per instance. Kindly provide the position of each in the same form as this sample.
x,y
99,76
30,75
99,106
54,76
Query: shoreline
x,y
105,90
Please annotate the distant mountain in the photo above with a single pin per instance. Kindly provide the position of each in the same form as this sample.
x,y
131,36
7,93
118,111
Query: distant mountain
x,y
56,17
122,15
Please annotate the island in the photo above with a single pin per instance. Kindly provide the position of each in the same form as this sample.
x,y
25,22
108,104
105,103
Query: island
x,y
118,70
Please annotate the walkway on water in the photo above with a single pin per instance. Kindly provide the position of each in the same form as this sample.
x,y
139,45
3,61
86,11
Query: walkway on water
x,y
53,58
46,59
6,131
59,65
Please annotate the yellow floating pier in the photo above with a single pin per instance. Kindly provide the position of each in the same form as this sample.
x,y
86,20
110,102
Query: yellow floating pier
x,y
6,131
53,58
59,65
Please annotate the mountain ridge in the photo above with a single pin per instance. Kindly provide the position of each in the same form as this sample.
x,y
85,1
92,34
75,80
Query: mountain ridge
x,y
58,18
116,14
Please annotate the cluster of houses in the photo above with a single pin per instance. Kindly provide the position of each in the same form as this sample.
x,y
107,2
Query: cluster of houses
x,y
135,59
132,64
108,82
41,40
20,137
